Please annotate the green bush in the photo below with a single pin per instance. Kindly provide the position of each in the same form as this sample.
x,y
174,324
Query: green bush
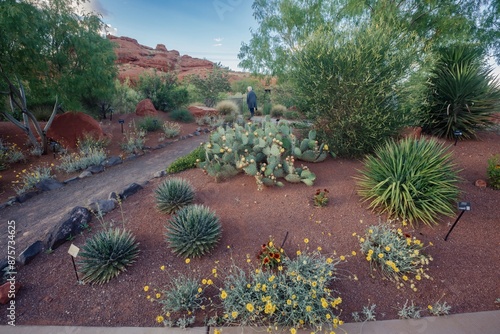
x,y
149,124
106,254
188,161
291,114
82,160
399,257
413,180
163,90
356,87
462,93
173,194
182,115
278,110
125,98
193,231
226,107
494,171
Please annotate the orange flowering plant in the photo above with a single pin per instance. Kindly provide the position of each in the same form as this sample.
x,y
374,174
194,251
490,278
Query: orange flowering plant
x,y
269,255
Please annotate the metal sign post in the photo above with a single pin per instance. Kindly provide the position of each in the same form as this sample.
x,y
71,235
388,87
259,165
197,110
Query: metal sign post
x,y
73,251
464,206
457,134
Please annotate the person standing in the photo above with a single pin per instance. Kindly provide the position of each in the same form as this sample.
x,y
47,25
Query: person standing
x,y
251,101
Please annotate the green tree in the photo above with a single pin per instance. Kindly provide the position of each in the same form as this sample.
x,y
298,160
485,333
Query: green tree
x,y
163,89
212,85
357,87
56,52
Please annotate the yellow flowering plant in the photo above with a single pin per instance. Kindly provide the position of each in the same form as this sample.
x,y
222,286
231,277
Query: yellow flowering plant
x,y
28,178
397,255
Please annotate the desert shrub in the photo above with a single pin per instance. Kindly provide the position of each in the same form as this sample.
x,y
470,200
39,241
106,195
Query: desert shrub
x,y
173,194
182,115
398,256
291,114
462,93
4,160
226,107
28,178
81,160
493,171
106,254
297,295
278,110
125,98
409,311
439,309
134,140
182,294
188,161
194,231
211,86
413,180
368,313
356,87
269,255
171,129
91,142
149,124
9,154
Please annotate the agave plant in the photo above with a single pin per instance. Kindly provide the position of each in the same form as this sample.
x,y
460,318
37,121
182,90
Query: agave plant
x,y
193,231
413,180
107,254
463,94
173,194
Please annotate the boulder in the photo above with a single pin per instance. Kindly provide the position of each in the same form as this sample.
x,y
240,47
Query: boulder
x,y
5,290
30,252
201,111
102,205
112,161
130,190
146,108
48,184
68,128
71,225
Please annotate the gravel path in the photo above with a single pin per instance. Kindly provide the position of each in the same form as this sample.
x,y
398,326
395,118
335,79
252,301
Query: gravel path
x,y
35,217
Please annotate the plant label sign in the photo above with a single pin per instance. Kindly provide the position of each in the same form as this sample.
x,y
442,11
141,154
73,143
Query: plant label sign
x,y
464,206
73,250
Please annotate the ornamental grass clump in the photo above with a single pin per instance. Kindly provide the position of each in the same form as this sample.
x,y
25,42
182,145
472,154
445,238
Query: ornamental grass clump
x,y
149,124
413,180
173,194
193,231
171,129
182,294
397,255
297,295
106,254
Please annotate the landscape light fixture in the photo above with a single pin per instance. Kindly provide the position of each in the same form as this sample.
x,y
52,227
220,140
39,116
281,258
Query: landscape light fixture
x,y
121,121
111,114
457,134
464,206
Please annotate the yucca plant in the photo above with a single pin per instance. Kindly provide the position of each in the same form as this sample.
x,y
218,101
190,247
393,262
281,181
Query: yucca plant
x,y
173,194
463,95
194,231
106,254
413,180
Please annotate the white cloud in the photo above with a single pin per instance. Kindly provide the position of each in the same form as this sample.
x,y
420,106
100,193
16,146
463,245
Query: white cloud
x,y
217,45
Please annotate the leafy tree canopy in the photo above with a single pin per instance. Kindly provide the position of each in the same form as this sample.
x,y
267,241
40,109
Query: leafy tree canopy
x,y
54,51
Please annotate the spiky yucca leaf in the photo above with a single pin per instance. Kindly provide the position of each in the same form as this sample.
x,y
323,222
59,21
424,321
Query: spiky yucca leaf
x,y
173,194
107,254
193,231
413,180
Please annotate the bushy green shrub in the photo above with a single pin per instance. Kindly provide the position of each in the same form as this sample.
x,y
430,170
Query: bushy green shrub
x,y
163,90
125,98
493,171
226,107
291,114
193,231
278,110
106,254
173,194
413,180
188,161
297,295
462,93
356,86
171,129
398,256
182,115
149,124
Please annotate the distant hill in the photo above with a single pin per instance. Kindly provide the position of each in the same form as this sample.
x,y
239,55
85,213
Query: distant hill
x,y
133,59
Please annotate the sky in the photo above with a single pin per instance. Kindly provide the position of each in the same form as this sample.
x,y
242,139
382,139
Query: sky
x,y
206,29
